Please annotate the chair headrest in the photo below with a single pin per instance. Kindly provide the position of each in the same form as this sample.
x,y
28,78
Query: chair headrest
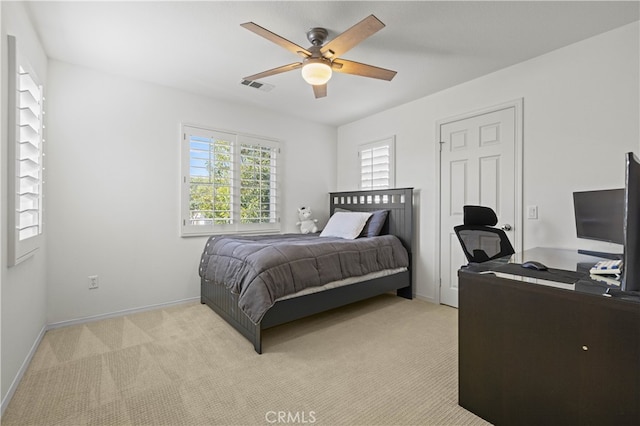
x,y
479,215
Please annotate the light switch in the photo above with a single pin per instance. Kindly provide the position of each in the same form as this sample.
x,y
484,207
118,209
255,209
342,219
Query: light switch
x,y
532,212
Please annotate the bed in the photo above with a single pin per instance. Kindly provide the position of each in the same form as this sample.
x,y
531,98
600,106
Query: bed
x,y
235,306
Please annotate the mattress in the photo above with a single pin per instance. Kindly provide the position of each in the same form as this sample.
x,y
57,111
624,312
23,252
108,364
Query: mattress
x,y
342,283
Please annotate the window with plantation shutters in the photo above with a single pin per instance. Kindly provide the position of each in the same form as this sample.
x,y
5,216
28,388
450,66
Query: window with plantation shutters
x,y
26,156
229,182
377,164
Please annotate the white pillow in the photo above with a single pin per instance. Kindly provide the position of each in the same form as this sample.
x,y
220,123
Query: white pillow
x,y
345,225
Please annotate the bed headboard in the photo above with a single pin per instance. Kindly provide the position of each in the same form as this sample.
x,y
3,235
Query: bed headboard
x,y
399,202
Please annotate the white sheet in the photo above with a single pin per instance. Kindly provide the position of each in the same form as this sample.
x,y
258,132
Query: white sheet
x,y
344,282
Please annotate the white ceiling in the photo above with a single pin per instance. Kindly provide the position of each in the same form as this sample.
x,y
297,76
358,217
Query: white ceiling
x,y
201,48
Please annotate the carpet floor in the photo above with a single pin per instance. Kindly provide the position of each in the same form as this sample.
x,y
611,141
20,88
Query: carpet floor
x,y
384,361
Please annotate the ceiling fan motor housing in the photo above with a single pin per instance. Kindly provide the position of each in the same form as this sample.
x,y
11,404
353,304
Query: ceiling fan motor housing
x,y
317,36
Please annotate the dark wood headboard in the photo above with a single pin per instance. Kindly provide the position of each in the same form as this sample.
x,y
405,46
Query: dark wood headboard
x,y
399,202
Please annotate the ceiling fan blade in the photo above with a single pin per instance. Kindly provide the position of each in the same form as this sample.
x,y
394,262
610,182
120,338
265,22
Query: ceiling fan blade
x,y
320,90
275,38
275,71
354,35
364,70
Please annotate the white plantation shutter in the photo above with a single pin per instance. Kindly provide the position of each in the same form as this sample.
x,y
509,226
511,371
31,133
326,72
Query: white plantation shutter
x,y
210,178
29,156
229,181
26,113
377,164
259,179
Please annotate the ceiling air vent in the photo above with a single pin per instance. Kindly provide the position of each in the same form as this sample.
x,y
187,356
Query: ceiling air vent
x,y
265,87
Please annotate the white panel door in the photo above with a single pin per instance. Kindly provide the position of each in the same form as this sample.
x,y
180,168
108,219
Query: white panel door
x,y
477,167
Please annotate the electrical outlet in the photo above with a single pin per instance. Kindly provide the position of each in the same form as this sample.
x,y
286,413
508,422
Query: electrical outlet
x,y
532,212
93,281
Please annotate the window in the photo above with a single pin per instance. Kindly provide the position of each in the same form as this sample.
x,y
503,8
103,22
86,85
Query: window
x,y
377,164
25,155
229,182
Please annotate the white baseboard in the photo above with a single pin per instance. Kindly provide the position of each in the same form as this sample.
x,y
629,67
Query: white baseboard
x,y
36,344
21,371
426,299
119,313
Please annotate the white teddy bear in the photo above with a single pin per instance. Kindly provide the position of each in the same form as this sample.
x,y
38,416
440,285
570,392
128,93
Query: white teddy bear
x,y
307,223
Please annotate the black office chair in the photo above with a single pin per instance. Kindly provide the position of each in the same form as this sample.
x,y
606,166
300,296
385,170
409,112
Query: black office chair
x,y
479,240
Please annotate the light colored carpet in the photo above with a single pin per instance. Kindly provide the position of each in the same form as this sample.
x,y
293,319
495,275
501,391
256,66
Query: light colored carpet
x,y
384,361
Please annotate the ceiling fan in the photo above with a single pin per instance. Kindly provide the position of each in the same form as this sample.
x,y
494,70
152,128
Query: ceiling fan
x,y
320,60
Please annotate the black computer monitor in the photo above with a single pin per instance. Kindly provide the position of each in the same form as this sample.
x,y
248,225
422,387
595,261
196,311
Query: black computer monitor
x,y
631,266
600,215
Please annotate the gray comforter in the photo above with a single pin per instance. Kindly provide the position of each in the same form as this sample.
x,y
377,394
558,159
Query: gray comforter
x,y
261,269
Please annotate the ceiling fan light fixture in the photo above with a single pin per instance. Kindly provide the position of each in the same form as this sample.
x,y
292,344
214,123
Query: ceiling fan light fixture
x,y
316,72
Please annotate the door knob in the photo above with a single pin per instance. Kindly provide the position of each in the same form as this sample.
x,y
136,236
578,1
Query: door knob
x,y
506,227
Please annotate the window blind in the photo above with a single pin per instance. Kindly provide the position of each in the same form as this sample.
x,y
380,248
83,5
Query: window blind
x,y
29,156
258,193
232,182
376,165
211,179
25,152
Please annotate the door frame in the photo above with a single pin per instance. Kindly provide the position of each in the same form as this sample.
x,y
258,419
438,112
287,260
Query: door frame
x,y
518,105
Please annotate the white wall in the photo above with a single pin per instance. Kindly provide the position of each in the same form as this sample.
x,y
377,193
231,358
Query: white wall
x,y
581,114
24,289
113,187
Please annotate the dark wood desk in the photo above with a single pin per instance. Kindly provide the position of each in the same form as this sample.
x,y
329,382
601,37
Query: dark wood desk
x,y
531,353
